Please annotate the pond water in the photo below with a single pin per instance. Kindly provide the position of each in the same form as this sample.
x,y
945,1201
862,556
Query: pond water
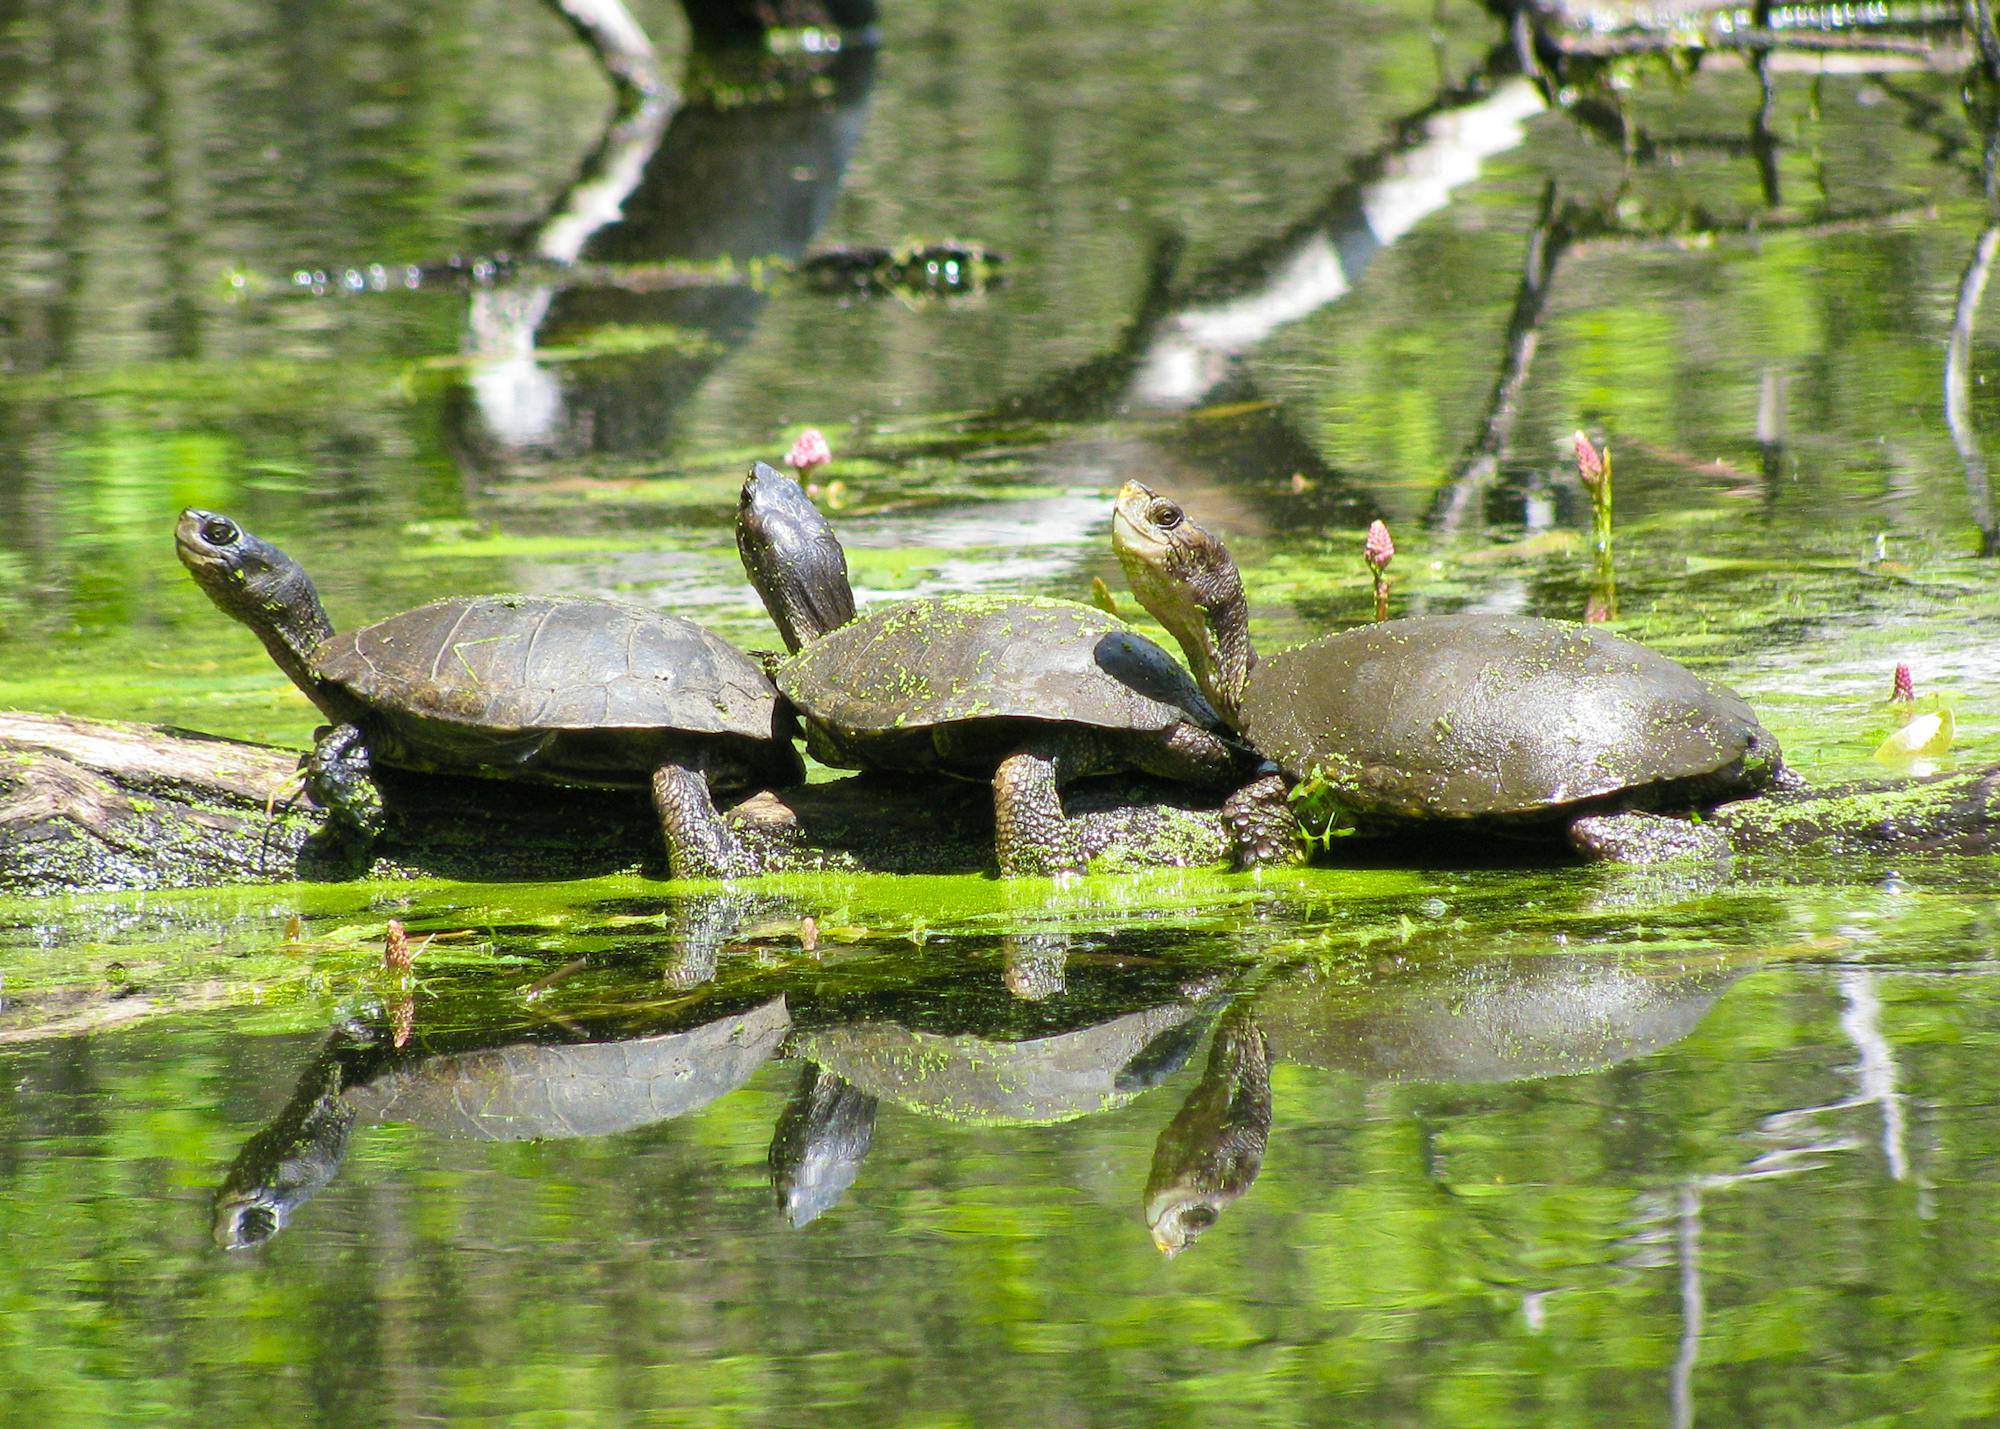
x,y
1444,1145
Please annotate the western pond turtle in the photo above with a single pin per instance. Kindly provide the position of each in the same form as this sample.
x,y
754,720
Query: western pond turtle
x,y
1025,691
1458,717
563,689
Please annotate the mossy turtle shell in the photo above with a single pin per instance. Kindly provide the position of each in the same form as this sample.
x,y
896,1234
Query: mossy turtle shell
x,y
966,657
463,674
1464,716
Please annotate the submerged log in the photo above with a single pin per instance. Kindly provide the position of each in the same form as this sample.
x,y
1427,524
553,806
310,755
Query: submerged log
x,y
90,806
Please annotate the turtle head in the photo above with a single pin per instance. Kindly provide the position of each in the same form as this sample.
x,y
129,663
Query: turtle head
x,y
792,556
253,581
1185,577
1177,1218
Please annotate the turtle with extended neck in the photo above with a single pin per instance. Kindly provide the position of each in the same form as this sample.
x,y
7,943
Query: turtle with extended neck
x,y
562,689
1027,692
1503,718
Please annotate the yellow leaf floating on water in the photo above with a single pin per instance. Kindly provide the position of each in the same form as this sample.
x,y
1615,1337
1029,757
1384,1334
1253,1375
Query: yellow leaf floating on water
x,y
1923,736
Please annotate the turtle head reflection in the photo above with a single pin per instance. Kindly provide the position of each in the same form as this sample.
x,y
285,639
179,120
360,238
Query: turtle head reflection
x,y
288,1162
820,1141
1211,1152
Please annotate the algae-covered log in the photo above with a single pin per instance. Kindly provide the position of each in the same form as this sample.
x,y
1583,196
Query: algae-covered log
x,y
1955,813
93,806
89,805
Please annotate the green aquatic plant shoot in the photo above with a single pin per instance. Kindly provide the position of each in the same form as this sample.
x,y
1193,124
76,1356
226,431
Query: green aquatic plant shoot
x,y
1322,815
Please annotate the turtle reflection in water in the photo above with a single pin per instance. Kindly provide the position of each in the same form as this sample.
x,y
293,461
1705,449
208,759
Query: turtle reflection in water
x,y
515,1091
566,690
1212,1150
977,1057
1498,1019
821,1139
1044,1052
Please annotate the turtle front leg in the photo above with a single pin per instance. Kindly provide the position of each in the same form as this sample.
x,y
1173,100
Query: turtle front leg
x,y
1261,821
1030,833
340,778
699,844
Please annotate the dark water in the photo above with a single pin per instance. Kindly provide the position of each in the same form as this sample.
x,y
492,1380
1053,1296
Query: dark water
x,y
1445,1145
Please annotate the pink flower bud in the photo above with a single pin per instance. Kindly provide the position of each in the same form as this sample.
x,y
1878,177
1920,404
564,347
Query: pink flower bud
x,y
809,451
1906,688
1378,550
1589,465
396,956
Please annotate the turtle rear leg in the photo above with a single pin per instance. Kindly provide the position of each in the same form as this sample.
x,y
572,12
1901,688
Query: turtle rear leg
x,y
340,778
1030,832
1261,821
1646,838
699,844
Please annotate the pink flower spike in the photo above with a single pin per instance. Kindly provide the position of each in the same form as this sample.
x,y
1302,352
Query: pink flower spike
x,y
396,954
1906,688
809,451
1378,550
1589,465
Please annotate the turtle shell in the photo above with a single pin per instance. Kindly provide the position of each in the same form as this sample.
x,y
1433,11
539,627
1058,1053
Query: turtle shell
x,y
965,1077
1501,1018
1466,716
534,1090
462,675
952,658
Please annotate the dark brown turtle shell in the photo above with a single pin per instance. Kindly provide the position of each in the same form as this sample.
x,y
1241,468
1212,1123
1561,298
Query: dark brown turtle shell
x,y
955,658
1471,716
569,684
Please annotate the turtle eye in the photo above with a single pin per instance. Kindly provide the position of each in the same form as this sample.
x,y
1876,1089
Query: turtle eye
x,y
1200,1218
1165,515
219,531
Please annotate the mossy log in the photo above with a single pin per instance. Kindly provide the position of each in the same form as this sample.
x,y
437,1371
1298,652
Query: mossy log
x,y
91,806
1956,813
